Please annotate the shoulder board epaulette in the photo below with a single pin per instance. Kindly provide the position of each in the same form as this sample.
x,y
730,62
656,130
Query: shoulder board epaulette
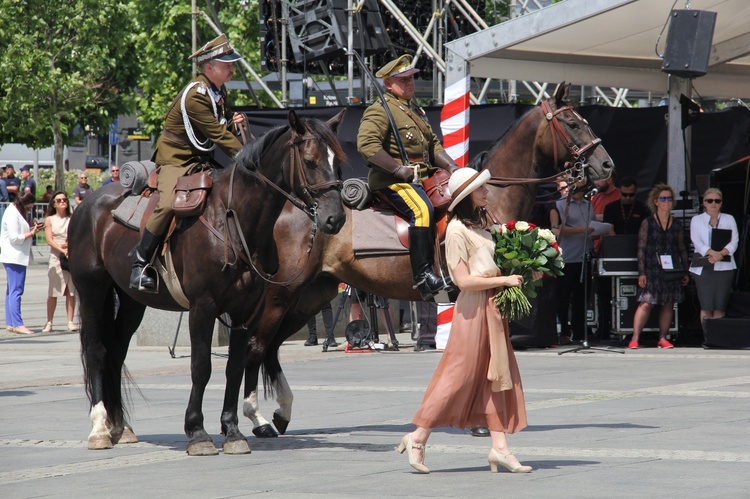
x,y
201,88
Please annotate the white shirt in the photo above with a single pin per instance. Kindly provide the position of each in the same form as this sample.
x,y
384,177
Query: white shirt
x,y
14,246
700,234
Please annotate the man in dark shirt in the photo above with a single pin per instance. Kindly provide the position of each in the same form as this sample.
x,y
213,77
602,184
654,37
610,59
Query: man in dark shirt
x,y
29,184
12,183
627,213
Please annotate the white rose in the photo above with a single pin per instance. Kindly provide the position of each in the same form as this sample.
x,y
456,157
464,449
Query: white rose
x,y
522,226
495,229
547,235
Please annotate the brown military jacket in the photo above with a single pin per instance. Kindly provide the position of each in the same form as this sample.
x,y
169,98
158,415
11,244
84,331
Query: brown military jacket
x,y
419,140
175,148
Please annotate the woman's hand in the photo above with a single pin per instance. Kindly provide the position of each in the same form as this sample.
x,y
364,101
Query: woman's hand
x,y
642,281
238,118
536,275
512,281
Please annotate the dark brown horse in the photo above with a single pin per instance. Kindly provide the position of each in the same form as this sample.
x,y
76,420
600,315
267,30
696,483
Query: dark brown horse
x,y
546,139
222,269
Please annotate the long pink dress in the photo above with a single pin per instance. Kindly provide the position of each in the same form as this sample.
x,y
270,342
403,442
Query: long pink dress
x,y
460,393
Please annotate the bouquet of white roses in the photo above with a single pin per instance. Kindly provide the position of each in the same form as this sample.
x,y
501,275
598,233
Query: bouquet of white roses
x,y
520,248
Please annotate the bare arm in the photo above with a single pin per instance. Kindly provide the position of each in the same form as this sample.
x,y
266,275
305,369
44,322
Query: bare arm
x,y
467,282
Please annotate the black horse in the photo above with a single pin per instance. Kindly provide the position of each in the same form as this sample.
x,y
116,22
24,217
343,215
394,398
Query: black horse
x,y
223,261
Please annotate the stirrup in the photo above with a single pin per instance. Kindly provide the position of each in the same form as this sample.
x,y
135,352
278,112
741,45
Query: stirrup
x,y
155,278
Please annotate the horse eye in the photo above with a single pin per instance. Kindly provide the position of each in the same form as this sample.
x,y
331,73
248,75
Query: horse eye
x,y
573,125
309,163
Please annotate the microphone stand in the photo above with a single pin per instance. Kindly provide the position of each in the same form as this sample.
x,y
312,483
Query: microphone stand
x,y
584,278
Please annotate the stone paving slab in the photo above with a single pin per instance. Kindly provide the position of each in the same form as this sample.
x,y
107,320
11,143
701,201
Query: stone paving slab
x,y
644,424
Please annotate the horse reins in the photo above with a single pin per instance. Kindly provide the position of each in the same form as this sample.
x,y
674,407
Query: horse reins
x,y
296,178
574,172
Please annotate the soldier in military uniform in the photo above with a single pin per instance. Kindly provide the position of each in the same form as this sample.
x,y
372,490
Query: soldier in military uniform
x,y
196,123
402,183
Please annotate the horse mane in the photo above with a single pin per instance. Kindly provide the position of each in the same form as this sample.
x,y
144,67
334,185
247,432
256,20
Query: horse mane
x,y
248,158
321,130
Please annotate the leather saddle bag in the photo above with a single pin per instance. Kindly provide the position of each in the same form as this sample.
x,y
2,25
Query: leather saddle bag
x,y
190,194
436,188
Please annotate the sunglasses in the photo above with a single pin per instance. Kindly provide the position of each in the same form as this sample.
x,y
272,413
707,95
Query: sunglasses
x,y
712,201
61,201
665,198
627,194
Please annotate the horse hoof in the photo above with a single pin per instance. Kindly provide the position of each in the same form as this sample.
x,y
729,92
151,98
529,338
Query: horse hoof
x,y
126,436
99,442
265,431
237,447
280,423
202,449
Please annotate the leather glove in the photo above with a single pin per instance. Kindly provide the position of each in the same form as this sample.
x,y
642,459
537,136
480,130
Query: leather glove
x,y
385,162
444,161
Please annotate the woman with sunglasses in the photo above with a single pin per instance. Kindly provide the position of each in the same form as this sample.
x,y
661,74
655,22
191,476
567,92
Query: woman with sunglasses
x,y
15,254
714,280
60,282
661,245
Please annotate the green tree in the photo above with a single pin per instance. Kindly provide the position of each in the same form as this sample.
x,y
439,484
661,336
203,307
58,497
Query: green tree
x,y
63,63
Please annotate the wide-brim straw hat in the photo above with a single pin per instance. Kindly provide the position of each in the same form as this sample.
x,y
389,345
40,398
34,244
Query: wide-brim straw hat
x,y
463,182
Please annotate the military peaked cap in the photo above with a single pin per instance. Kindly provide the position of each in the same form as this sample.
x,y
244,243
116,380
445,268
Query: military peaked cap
x,y
397,68
217,49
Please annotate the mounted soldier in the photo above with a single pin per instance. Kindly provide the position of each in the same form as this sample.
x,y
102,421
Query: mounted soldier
x,y
402,150
196,123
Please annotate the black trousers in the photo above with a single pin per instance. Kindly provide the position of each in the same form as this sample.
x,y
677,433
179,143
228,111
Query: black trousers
x,y
571,303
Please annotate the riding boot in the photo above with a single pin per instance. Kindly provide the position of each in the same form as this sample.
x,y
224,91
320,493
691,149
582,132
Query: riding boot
x,y
422,252
142,276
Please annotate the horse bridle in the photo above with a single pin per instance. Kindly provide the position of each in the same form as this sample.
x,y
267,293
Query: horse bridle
x,y
573,171
298,182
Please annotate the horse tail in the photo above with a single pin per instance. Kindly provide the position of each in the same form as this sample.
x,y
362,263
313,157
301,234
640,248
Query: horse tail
x,y
105,346
270,370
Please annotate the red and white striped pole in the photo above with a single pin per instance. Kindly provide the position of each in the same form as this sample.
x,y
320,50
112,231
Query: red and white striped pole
x,y
454,121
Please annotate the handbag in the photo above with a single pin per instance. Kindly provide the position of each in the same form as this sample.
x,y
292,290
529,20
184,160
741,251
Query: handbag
x,y
437,190
64,262
673,274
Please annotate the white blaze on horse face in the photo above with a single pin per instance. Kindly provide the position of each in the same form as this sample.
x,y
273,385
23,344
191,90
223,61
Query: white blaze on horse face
x,y
284,397
251,410
331,157
98,418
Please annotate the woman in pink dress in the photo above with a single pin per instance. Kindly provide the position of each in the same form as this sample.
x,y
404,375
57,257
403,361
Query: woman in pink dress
x,y
477,382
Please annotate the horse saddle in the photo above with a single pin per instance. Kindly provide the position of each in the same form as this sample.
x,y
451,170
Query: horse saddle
x,y
381,204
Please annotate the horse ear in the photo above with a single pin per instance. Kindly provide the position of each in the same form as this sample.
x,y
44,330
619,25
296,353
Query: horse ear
x,y
295,123
561,93
336,121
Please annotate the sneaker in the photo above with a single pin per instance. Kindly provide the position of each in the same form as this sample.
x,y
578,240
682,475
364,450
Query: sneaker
x,y
332,343
47,328
633,345
311,341
664,343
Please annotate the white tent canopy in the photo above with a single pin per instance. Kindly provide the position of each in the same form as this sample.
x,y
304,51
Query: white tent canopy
x,y
611,43
605,43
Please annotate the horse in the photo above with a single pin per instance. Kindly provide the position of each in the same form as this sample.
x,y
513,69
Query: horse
x,y
543,139
224,260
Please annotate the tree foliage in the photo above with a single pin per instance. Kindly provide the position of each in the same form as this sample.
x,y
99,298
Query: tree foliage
x,y
63,64
164,40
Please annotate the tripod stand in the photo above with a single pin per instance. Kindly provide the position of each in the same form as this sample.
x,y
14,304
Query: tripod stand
x,y
373,303
584,278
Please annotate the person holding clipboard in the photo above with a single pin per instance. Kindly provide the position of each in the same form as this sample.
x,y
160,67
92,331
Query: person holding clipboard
x,y
715,237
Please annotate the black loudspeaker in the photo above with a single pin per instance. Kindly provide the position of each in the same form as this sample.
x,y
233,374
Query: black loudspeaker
x,y
688,47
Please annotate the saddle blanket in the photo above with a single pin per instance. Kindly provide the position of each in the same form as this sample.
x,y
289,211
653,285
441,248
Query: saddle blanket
x,y
374,234
130,211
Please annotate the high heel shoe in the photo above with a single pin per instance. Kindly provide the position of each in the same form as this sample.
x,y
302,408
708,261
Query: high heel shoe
x,y
47,328
495,458
406,445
